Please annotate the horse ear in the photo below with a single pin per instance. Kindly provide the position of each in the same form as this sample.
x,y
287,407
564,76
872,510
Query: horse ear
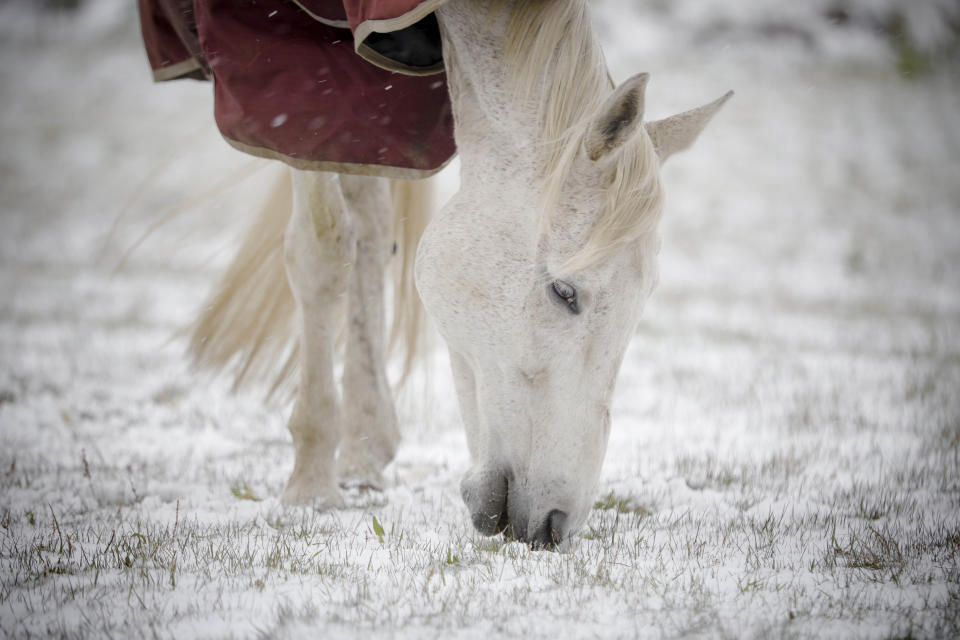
x,y
619,118
678,132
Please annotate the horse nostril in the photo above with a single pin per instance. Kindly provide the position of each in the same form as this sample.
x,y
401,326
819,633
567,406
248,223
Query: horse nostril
x,y
551,532
485,495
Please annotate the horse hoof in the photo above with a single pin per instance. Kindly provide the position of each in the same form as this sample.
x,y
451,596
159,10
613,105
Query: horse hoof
x,y
307,495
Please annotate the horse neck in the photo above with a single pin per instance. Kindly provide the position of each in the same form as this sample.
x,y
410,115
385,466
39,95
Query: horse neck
x,y
498,134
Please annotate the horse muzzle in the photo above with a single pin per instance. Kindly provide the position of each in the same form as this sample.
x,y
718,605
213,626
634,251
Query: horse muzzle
x,y
499,503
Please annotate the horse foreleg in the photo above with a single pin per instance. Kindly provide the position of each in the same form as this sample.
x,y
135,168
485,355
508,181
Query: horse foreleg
x,y
370,434
319,250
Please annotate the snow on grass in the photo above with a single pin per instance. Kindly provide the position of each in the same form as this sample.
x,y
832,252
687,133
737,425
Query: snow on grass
x,y
785,458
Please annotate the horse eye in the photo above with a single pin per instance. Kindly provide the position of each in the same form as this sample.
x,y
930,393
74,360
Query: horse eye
x,y
567,294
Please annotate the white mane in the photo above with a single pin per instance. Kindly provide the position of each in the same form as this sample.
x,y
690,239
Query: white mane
x,y
554,59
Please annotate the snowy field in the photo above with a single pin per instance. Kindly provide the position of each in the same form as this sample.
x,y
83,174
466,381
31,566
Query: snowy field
x,y
785,456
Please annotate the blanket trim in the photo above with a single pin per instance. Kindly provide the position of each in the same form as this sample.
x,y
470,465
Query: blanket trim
x,y
178,70
388,64
353,168
387,25
339,24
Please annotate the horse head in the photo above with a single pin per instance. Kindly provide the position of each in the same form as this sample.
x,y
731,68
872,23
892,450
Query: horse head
x,y
537,290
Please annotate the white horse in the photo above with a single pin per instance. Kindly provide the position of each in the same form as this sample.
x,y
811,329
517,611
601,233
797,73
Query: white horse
x,y
535,273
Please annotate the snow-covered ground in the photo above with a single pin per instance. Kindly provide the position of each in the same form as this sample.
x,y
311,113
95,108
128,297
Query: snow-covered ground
x,y
785,459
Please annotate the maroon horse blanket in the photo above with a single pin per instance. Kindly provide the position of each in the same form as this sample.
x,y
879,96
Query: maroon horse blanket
x,y
353,86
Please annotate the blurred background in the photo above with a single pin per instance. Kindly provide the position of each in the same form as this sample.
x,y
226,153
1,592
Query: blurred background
x,y
811,239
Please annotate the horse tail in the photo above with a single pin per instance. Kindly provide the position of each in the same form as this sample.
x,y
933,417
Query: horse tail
x,y
413,204
248,324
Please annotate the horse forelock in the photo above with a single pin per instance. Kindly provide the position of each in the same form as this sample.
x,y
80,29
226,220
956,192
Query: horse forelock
x,y
554,61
